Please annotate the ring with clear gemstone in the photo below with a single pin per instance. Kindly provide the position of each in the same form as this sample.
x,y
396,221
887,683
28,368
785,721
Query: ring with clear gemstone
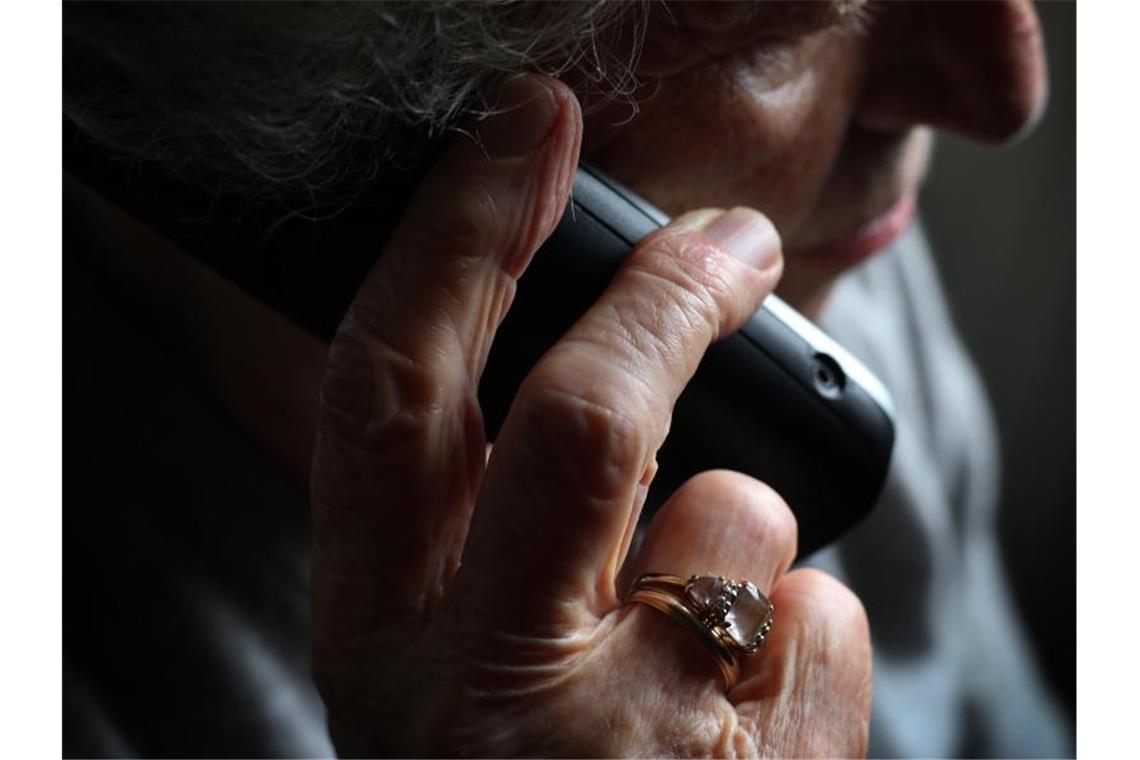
x,y
731,616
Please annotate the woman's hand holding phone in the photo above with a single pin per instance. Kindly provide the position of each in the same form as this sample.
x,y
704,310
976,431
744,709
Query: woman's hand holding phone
x,y
471,605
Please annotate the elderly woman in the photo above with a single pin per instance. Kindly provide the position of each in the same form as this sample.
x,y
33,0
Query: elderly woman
x,y
468,600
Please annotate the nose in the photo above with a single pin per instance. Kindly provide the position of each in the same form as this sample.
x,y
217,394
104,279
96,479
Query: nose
x,y
976,69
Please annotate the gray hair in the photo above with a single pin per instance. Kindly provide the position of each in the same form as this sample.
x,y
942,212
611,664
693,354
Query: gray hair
x,y
273,100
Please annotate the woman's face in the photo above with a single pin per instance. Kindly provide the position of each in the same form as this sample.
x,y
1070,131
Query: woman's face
x,y
813,112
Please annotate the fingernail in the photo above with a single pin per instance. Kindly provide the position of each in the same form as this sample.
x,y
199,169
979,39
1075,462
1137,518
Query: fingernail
x,y
521,119
747,235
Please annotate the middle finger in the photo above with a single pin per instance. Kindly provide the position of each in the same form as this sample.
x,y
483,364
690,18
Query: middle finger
x,y
560,489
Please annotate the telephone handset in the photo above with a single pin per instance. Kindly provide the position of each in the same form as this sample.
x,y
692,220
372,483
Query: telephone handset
x,y
778,399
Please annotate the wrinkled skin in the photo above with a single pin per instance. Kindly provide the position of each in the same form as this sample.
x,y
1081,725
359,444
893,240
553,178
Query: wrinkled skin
x,y
468,604
787,108
464,609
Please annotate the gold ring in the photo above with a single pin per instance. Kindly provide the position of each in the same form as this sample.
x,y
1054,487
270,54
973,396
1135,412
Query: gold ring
x,y
731,617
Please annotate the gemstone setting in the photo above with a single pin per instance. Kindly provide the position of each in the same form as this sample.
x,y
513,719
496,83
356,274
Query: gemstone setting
x,y
737,609
705,591
750,617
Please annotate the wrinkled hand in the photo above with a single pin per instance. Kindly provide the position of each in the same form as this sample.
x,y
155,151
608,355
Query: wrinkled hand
x,y
470,606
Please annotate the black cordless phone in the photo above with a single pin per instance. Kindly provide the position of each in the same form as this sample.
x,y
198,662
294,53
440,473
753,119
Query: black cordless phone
x,y
778,399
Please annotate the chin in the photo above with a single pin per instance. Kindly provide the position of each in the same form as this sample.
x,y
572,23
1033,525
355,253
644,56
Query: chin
x,y
872,176
868,204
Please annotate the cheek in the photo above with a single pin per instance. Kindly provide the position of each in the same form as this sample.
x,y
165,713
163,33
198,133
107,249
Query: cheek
x,y
730,132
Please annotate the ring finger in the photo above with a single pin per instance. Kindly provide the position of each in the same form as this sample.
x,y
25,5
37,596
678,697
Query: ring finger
x,y
718,523
809,685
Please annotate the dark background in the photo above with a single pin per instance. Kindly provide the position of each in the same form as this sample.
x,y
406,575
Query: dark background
x,y
1003,225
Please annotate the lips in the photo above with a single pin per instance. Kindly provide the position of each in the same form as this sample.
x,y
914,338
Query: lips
x,y
866,239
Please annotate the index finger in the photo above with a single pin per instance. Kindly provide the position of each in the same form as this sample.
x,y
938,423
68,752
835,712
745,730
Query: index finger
x,y
400,447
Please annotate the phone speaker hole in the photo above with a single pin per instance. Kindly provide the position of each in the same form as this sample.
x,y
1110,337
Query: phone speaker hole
x,y
827,375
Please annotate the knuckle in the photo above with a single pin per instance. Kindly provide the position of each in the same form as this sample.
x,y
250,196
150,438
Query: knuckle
x,y
703,264
698,279
453,221
707,485
595,439
708,270
372,391
769,515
